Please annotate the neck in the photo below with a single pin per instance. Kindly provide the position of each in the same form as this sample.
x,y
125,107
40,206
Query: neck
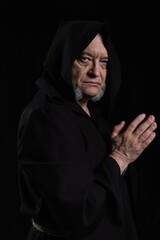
x,y
83,103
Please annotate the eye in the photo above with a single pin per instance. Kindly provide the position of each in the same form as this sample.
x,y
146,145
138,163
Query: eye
x,y
85,59
104,63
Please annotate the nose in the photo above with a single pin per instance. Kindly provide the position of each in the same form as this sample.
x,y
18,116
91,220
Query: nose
x,y
94,70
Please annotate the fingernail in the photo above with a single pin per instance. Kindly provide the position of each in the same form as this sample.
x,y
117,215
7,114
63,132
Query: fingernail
x,y
153,134
154,125
152,118
142,115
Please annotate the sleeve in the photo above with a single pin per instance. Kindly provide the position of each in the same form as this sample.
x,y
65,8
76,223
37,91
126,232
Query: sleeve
x,y
55,177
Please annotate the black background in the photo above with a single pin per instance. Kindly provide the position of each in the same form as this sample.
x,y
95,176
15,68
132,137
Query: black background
x,y
27,29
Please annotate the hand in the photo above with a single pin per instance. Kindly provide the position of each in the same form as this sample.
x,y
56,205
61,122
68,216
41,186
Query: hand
x,y
129,144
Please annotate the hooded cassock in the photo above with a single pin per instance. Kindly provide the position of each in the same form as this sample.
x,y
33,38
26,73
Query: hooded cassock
x,y
68,185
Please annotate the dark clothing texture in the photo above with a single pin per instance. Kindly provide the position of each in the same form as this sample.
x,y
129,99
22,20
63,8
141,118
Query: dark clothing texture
x,y
35,234
67,182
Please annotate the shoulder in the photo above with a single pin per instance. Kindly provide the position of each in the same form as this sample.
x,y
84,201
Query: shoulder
x,y
42,106
43,113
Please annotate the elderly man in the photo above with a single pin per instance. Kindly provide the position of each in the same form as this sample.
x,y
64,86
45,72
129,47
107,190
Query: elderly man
x,y
75,175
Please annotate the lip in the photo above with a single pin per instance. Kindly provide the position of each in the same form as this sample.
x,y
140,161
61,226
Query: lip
x,y
92,83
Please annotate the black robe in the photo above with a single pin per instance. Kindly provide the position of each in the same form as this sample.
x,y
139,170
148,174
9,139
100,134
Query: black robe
x,y
67,182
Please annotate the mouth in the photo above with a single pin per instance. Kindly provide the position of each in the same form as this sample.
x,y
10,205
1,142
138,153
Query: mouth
x,y
92,83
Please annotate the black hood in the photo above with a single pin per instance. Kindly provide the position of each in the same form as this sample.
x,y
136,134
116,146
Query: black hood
x,y
69,42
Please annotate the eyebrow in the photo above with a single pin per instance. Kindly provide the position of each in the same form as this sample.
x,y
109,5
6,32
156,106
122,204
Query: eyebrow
x,y
90,54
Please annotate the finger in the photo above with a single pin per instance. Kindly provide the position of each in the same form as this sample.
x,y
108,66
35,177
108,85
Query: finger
x,y
148,140
145,125
134,124
117,129
147,132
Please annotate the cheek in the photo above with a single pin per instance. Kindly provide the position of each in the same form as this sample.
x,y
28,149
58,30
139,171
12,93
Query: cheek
x,y
103,77
74,74
77,75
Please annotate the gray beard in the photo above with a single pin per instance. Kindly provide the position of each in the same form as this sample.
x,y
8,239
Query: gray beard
x,y
79,95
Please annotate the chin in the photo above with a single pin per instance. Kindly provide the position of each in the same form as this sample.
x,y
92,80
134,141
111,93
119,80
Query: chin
x,y
94,94
91,92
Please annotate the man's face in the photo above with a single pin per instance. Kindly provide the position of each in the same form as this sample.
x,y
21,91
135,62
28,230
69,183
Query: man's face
x,y
89,71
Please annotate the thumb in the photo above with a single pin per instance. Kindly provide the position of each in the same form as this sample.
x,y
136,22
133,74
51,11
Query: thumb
x,y
117,129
